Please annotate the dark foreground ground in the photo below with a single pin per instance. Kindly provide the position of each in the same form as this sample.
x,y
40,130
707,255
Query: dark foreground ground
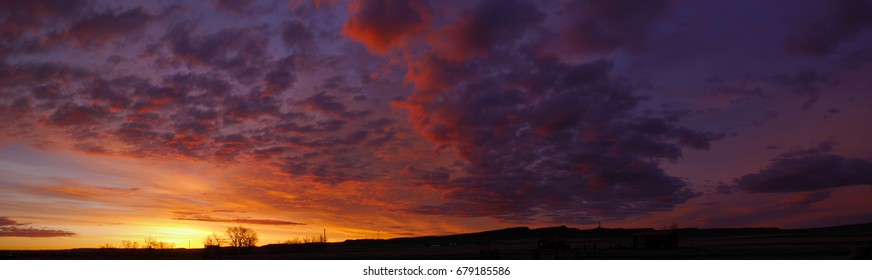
x,y
843,242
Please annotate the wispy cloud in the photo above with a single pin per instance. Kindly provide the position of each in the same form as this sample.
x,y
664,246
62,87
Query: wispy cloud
x,y
10,228
189,216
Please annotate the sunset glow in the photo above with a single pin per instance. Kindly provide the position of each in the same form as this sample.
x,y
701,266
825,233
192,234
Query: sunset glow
x,y
173,120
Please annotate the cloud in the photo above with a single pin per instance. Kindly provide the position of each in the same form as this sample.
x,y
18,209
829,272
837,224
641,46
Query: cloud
x,y
281,76
34,232
541,137
843,21
18,109
329,105
495,118
561,141
25,17
99,28
5,221
488,24
805,199
189,216
340,84
807,170
417,176
807,82
193,115
71,114
239,51
604,26
297,36
10,228
383,25
236,7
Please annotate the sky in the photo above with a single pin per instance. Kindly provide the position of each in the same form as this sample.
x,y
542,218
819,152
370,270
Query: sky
x,y
378,119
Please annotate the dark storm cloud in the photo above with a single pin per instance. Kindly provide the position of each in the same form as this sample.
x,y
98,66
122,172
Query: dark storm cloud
x,y
99,28
602,26
10,228
70,114
297,36
138,132
382,25
418,176
237,7
490,23
350,139
519,110
250,106
22,17
18,109
843,21
807,170
24,76
544,137
740,92
321,126
330,105
857,58
807,82
187,89
193,115
118,93
281,76
239,51
199,116
807,198
231,146
340,84
329,166
38,26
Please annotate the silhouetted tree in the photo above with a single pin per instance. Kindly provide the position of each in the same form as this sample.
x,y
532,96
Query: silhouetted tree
x,y
129,244
152,243
321,238
214,239
240,236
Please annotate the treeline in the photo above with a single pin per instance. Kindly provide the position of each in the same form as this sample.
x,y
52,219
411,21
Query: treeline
x,y
147,243
237,236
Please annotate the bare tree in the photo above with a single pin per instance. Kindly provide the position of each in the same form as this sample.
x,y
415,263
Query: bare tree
x,y
149,243
129,244
152,243
320,238
214,239
240,236
672,226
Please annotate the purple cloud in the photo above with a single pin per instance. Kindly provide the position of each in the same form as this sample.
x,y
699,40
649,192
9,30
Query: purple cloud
x,y
807,170
843,21
606,25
